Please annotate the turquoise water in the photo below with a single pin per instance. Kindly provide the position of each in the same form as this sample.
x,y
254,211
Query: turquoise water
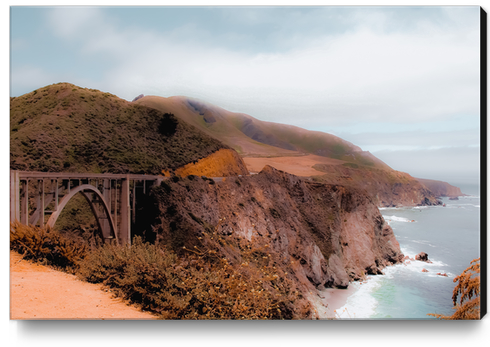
x,y
450,235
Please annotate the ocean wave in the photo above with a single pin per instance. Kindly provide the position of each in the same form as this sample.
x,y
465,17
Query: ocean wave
x,y
460,205
423,242
397,219
361,304
469,197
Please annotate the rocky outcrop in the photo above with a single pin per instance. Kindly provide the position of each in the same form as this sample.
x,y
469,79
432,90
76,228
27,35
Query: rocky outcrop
x,y
422,256
440,188
225,162
138,97
329,234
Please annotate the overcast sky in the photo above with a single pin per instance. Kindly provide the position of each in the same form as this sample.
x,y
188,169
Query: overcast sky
x,y
401,82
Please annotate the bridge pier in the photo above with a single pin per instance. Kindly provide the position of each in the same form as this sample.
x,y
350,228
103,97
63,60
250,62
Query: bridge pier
x,y
14,196
124,232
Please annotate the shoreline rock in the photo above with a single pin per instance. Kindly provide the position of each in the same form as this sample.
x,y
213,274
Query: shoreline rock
x,y
422,256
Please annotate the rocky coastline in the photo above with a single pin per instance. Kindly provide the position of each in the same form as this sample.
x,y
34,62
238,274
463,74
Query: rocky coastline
x,y
329,234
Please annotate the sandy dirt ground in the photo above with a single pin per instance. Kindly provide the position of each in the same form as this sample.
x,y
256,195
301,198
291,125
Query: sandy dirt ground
x,y
299,166
39,292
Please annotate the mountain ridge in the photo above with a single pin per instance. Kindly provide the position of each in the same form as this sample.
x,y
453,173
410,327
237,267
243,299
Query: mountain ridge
x,y
274,140
66,128
244,132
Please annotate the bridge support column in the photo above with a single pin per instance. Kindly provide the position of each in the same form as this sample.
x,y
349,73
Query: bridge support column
x,y
14,196
106,192
124,230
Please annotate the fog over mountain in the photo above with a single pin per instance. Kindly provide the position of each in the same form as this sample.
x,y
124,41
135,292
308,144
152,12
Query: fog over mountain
x,y
401,82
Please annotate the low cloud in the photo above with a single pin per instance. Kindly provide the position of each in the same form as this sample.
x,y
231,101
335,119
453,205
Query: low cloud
x,y
365,74
418,139
454,165
317,68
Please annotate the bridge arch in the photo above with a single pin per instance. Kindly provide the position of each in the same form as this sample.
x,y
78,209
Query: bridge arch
x,y
108,229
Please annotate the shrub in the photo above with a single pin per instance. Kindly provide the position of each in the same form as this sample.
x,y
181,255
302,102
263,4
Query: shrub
x,y
203,284
46,245
468,290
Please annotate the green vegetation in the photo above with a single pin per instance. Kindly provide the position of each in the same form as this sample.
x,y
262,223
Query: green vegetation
x,y
66,128
351,165
245,133
468,291
201,284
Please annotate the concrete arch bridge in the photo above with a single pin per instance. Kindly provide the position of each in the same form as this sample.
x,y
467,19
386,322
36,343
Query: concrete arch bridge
x,y
38,198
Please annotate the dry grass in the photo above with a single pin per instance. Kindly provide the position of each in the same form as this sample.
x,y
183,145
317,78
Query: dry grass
x,y
203,283
200,285
65,128
47,246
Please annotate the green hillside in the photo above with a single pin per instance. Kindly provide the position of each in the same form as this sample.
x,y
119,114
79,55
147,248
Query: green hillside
x,y
252,137
65,128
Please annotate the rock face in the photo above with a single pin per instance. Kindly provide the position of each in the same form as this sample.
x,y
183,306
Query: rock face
x,y
225,162
332,234
440,188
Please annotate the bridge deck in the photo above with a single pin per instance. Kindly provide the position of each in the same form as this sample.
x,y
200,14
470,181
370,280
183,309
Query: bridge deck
x,y
76,175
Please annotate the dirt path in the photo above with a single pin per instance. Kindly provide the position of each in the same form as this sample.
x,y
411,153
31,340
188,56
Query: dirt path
x,y
39,292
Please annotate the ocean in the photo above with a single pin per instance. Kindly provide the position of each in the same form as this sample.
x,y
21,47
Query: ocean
x,y
450,236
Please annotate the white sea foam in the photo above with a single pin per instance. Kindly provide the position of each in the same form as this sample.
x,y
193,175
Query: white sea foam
x,y
424,242
396,219
461,205
361,304
416,266
469,197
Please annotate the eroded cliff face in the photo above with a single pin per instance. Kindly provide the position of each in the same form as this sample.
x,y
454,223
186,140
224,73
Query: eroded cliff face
x,y
328,234
222,163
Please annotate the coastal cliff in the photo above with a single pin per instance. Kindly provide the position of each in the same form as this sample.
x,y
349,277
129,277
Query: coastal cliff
x,y
328,234
387,188
440,188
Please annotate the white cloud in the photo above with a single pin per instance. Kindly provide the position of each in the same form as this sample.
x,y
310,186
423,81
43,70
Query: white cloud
x,y
365,74
74,22
380,67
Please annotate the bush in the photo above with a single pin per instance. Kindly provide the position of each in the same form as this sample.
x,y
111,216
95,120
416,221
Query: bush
x,y
46,245
224,277
201,285
468,290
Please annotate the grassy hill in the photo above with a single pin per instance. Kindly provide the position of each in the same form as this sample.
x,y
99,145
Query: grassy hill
x,y
66,128
252,137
